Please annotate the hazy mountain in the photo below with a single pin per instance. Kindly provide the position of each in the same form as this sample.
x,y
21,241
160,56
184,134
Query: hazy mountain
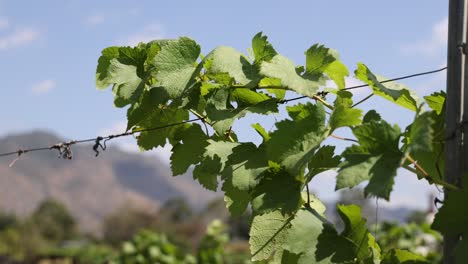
x,y
91,187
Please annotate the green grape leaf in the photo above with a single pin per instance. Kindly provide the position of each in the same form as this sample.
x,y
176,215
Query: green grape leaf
x,y
175,66
431,156
320,59
294,142
452,218
376,158
397,256
219,99
246,97
277,190
273,86
318,207
218,80
234,63
261,131
219,110
246,164
436,101
215,157
160,118
262,49
149,102
323,160
190,150
128,86
248,102
355,242
356,231
267,234
394,92
220,149
103,74
207,87
333,248
302,237
420,135
371,115
236,200
207,172
343,115
284,69
123,67
133,56
152,48
461,251
285,257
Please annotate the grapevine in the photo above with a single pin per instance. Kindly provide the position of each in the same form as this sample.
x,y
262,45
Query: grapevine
x,y
168,81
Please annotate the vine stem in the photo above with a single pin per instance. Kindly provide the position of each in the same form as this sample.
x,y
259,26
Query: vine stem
x,y
418,167
325,103
259,87
435,181
343,138
308,195
408,168
203,119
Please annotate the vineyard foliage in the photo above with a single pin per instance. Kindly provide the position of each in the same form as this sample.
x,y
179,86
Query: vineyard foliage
x,y
169,81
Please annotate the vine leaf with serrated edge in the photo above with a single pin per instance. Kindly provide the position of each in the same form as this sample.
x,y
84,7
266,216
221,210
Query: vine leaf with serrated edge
x,y
267,234
245,165
343,114
262,49
320,59
215,157
354,242
282,68
189,150
392,91
397,256
158,138
294,142
122,67
376,158
301,238
277,190
233,63
428,152
322,160
175,66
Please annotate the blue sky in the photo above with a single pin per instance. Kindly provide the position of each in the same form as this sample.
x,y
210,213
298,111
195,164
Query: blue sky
x,y
49,50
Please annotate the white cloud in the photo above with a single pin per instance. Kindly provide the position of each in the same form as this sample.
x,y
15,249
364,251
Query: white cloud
x,y
432,45
94,20
18,38
43,87
4,23
149,32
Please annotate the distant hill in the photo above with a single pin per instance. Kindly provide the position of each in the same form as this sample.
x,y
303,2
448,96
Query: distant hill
x,y
91,187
